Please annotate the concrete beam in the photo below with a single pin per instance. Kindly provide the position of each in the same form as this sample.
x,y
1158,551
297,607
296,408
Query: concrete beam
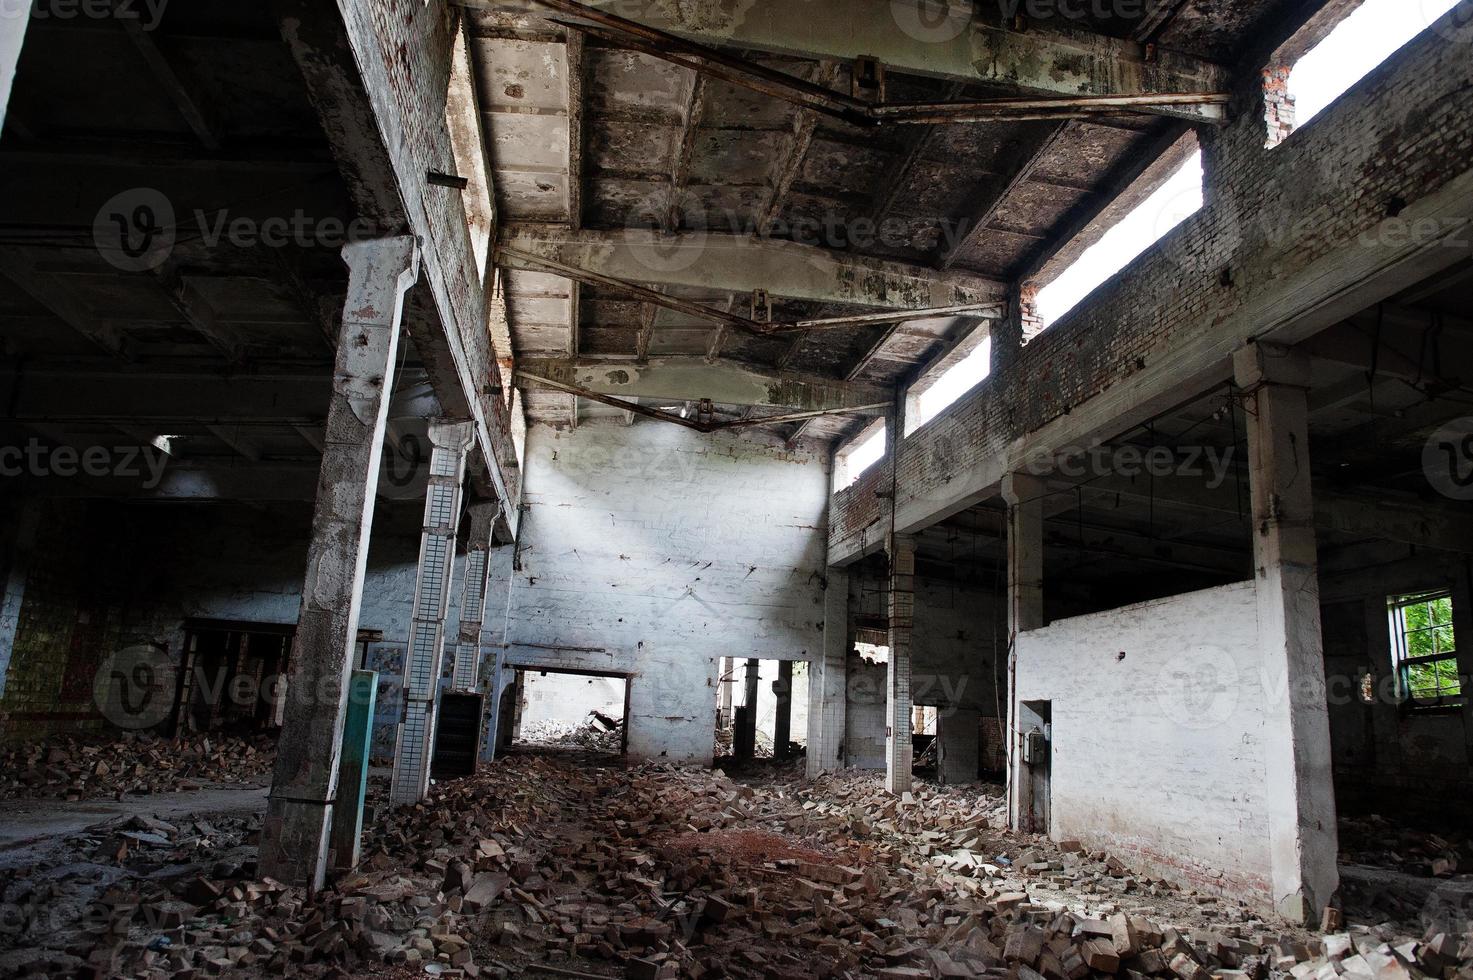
x,y
960,46
740,264
695,378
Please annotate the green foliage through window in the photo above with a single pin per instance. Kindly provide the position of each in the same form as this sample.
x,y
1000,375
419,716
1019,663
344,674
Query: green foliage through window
x,y
1424,647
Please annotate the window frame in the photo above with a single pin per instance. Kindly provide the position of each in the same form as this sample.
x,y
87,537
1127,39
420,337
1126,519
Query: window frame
x,y
1402,661
843,479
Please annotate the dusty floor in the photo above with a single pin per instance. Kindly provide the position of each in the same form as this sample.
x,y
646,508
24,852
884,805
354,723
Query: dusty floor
x,y
562,863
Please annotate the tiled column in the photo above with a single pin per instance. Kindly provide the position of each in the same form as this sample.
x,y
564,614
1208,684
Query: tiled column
x,y
295,836
415,745
1303,838
466,664
1024,495
898,748
828,679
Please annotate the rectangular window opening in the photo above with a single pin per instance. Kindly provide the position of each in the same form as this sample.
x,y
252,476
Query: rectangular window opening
x,y
866,449
958,373
1360,42
1424,648
1178,198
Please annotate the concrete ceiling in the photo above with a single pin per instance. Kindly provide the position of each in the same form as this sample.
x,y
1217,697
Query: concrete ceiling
x,y
587,136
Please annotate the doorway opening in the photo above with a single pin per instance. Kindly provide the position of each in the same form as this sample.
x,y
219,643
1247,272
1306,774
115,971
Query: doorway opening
x,y
761,710
232,677
571,710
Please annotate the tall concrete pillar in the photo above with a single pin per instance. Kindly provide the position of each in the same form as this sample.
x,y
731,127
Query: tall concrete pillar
x,y
1300,794
899,750
958,745
466,665
414,748
828,679
782,725
1024,495
295,836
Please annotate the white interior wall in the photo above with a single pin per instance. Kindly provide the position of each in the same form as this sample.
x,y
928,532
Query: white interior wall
x,y
653,550
1157,751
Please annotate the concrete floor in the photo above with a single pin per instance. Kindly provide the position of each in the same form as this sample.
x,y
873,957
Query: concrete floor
x,y
29,830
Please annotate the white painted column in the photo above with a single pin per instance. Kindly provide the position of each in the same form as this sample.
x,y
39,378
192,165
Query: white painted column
x,y
1300,795
1024,494
422,661
466,666
14,16
295,835
828,681
899,751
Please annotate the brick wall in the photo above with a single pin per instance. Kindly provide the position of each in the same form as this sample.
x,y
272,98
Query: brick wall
x,y
1253,259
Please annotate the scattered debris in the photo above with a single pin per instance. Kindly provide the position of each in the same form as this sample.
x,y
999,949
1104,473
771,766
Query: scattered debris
x,y
574,865
76,769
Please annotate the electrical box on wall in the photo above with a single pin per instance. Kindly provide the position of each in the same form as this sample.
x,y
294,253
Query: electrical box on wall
x,y
1035,748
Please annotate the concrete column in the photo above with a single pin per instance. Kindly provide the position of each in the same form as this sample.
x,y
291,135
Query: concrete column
x,y
898,747
1300,791
828,679
295,835
422,661
1024,494
727,682
466,666
782,725
958,745
12,37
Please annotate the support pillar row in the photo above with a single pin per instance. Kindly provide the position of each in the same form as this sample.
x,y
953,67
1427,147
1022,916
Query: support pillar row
x,y
295,835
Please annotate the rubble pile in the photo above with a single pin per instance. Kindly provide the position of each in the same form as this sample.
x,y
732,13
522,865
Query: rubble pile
x,y
75,769
577,866
1379,842
598,733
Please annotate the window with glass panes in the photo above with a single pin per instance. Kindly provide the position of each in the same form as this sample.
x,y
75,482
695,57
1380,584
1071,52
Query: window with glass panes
x,y
1424,648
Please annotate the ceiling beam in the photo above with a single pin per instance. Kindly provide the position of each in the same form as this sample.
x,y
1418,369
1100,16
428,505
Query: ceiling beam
x,y
1039,61
805,123
693,378
576,62
695,109
185,96
918,145
1024,155
740,264
20,267
197,311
